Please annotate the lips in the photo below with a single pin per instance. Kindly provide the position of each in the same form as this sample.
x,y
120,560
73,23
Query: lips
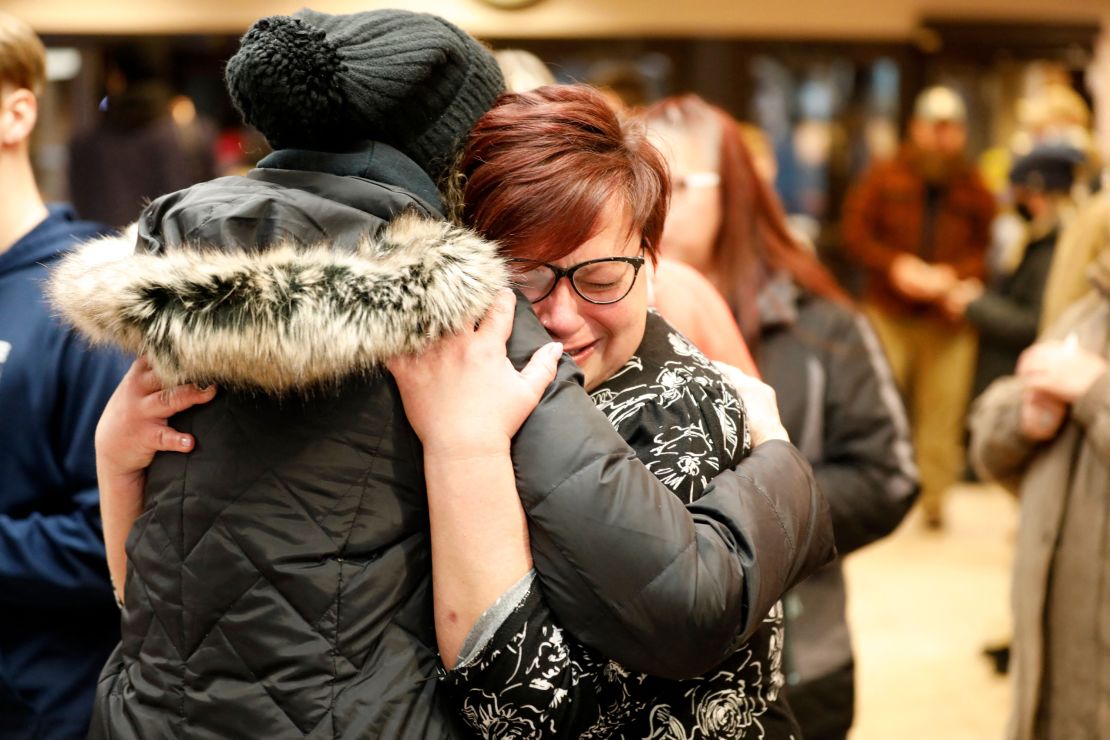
x,y
580,353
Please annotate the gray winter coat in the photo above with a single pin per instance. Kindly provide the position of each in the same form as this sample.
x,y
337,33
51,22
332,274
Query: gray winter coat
x,y
279,577
1061,660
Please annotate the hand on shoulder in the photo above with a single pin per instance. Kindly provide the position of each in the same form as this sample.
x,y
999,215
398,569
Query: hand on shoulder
x,y
463,396
760,404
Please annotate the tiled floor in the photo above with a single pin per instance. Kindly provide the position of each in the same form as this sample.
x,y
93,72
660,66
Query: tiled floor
x,y
922,606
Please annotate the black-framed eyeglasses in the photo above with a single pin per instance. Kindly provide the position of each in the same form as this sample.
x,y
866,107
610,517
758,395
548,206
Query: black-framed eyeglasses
x,y
601,281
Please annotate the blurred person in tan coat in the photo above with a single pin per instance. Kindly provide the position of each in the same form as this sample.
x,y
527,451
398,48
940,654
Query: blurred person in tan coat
x,y
916,225
1045,434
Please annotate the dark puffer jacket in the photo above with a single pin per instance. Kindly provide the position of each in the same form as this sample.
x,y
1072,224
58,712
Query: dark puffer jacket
x,y
279,577
841,407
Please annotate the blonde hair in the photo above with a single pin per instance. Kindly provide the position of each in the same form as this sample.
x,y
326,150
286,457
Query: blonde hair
x,y
1055,104
522,70
22,56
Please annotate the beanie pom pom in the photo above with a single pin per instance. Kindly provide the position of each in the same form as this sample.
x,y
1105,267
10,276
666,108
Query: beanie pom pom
x,y
286,81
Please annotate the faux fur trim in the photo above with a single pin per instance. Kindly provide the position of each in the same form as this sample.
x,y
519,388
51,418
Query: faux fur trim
x,y
285,319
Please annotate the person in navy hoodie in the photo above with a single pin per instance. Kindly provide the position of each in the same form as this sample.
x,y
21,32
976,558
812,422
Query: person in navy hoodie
x,y
58,620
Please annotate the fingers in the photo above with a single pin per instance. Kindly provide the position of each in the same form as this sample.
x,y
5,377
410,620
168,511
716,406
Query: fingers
x,y
1041,415
541,369
162,438
734,375
144,377
1039,382
397,365
166,402
1043,356
497,324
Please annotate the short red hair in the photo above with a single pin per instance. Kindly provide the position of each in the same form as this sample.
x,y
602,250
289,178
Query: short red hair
x,y
541,166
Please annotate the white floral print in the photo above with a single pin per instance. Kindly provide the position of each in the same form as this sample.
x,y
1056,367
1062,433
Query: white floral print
x,y
534,681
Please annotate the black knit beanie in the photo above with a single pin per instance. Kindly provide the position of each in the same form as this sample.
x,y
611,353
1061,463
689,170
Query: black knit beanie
x,y
328,82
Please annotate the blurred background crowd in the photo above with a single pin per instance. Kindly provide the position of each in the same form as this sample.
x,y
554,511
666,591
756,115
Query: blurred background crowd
x,y
945,167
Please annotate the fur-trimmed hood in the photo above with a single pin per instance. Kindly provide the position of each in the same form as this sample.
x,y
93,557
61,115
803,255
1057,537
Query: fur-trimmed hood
x,y
289,318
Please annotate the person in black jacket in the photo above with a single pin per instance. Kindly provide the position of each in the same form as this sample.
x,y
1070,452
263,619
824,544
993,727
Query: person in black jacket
x,y
277,579
835,391
1007,314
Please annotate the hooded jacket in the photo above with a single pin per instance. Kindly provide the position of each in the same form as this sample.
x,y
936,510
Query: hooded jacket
x,y
52,571
279,577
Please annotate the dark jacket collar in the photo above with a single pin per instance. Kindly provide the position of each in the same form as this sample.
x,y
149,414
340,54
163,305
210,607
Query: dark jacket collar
x,y
373,161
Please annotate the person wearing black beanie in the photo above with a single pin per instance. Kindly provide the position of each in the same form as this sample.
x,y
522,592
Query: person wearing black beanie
x,y
294,597
333,82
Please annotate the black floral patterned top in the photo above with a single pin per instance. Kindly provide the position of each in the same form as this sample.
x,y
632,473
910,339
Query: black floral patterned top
x,y
522,676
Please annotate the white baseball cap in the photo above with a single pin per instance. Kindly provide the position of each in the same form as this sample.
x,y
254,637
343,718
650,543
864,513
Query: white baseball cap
x,y
940,103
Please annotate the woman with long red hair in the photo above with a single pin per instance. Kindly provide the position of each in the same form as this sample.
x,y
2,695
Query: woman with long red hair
x,y
835,392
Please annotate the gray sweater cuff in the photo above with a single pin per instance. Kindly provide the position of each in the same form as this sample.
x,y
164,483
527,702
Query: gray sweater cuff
x,y
492,619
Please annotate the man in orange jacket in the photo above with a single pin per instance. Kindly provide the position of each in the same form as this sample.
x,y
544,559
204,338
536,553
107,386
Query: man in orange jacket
x,y
918,224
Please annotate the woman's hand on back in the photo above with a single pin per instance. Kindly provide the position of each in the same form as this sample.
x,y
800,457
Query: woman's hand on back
x,y
134,425
463,396
760,403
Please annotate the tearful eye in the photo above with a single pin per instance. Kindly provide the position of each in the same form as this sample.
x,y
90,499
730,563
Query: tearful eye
x,y
605,281
601,281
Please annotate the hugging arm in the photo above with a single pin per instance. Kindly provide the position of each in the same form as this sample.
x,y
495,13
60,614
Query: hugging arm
x,y
133,427
625,565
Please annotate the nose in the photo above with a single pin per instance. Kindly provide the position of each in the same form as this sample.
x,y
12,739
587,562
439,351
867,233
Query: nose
x,y
559,312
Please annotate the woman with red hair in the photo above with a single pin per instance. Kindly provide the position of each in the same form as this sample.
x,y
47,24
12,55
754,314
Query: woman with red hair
x,y
835,391
571,190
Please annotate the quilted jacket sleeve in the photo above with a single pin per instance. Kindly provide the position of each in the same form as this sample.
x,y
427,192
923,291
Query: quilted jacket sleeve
x,y
626,566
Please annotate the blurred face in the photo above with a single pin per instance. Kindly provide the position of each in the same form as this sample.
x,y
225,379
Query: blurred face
x,y
944,138
599,338
1030,204
694,217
